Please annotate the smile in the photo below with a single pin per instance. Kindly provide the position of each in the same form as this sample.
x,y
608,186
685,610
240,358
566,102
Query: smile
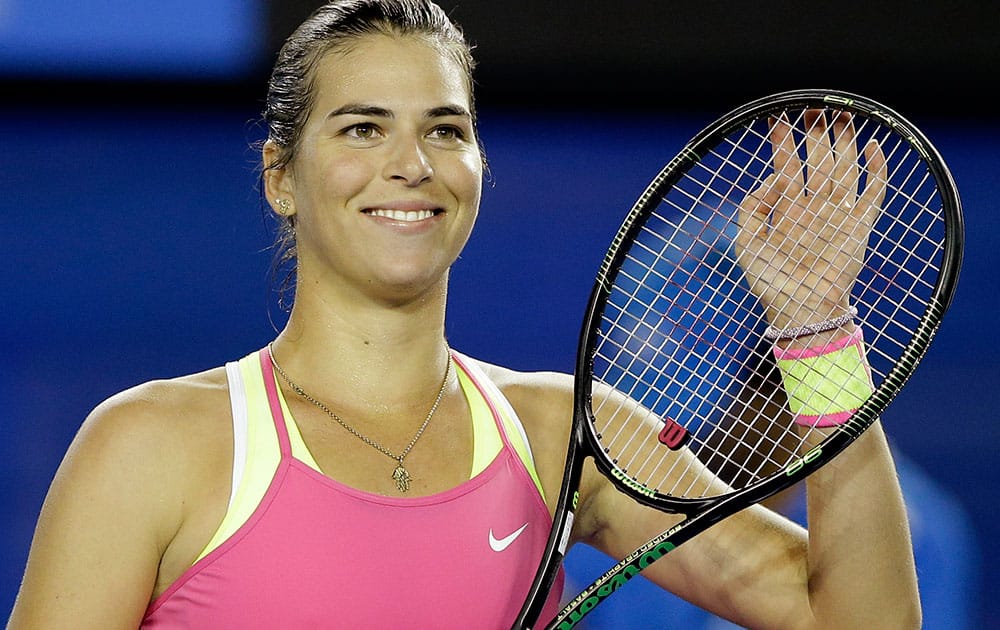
x,y
408,216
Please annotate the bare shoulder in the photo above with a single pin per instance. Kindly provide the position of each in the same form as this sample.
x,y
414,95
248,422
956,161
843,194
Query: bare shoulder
x,y
178,409
168,433
146,464
535,395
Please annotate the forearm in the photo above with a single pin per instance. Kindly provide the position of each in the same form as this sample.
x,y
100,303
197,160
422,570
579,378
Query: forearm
x,y
860,557
860,560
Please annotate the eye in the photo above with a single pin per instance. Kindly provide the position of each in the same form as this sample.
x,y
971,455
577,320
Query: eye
x,y
362,131
447,133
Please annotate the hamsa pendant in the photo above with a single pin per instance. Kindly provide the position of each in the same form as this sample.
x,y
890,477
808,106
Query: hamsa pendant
x,y
402,478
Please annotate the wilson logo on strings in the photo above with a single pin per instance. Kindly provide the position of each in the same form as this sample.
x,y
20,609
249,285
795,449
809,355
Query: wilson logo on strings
x,y
673,435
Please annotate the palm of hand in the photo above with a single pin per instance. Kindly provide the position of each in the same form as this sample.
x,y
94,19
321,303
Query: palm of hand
x,y
803,232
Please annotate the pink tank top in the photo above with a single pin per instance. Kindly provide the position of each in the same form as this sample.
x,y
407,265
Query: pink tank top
x,y
318,554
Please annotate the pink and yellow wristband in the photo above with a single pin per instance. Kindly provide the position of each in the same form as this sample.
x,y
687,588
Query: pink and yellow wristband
x,y
826,384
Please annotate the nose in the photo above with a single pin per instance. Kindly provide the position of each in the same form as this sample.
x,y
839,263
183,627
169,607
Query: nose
x,y
408,162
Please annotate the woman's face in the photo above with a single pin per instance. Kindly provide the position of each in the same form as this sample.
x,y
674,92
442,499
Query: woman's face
x,y
387,179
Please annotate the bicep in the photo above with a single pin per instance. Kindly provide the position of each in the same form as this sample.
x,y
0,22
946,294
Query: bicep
x,y
94,557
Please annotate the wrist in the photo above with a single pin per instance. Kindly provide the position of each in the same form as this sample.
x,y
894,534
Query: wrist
x,y
827,382
788,331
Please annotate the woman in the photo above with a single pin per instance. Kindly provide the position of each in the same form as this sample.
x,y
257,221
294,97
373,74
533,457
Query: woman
x,y
357,472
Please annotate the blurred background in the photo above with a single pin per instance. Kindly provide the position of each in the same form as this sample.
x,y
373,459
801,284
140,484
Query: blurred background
x,y
137,247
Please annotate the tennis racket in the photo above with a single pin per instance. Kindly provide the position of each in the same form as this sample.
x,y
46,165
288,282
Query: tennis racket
x,y
672,399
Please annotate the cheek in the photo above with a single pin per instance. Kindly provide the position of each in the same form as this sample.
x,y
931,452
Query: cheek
x,y
324,190
471,196
323,178
344,177
468,183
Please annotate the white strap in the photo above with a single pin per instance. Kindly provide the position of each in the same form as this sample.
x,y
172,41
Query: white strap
x,y
238,401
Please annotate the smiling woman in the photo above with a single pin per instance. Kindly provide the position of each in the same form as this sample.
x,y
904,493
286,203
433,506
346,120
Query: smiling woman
x,y
273,491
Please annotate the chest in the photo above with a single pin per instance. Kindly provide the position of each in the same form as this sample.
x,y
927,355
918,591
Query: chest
x,y
316,550
385,455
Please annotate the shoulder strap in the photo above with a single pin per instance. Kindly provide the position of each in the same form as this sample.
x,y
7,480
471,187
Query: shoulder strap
x,y
509,424
271,386
238,402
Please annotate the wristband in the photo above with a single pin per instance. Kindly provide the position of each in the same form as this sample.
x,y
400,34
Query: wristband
x,y
826,384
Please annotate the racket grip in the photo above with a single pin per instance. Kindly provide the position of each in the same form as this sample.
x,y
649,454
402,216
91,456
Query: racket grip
x,y
826,384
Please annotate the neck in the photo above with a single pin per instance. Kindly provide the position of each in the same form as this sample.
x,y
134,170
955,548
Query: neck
x,y
363,351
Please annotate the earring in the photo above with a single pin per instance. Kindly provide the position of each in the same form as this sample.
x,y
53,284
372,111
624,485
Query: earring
x,y
284,206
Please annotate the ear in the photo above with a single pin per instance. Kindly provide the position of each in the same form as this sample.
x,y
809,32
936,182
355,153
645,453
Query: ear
x,y
278,182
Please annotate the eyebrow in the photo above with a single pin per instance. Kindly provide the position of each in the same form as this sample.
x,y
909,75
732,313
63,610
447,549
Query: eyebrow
x,y
360,109
447,110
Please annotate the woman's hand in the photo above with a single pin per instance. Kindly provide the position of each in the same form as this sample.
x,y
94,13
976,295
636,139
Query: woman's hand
x,y
803,232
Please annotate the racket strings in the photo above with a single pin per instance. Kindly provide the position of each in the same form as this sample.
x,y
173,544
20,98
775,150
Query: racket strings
x,y
715,176
906,251
680,334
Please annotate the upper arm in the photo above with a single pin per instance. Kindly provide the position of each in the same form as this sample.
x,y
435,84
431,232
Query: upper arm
x,y
756,567
108,514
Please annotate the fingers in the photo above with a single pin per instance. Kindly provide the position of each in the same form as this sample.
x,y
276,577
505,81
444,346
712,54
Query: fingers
x,y
846,173
819,153
787,166
826,181
877,177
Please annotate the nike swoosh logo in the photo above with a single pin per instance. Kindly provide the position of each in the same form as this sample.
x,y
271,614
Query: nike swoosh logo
x,y
502,543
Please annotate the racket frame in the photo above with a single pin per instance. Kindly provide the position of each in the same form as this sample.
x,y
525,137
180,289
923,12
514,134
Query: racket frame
x,y
702,513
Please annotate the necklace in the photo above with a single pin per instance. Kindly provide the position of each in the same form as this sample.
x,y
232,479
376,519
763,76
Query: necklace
x,y
400,475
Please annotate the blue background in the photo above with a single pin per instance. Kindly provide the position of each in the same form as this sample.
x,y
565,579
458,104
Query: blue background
x,y
130,38
136,247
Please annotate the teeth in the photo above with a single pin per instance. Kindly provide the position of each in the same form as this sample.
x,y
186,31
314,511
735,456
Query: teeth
x,y
403,215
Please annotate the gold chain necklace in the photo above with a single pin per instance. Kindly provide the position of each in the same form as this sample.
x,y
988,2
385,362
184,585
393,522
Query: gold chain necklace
x,y
400,474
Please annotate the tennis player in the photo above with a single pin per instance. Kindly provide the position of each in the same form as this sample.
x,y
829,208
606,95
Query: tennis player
x,y
357,472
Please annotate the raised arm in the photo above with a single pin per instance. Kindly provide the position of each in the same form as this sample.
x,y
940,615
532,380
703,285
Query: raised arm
x,y
801,243
803,237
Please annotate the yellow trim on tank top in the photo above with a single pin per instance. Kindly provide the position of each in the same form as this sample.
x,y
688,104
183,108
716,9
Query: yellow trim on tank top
x,y
263,452
482,417
262,456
